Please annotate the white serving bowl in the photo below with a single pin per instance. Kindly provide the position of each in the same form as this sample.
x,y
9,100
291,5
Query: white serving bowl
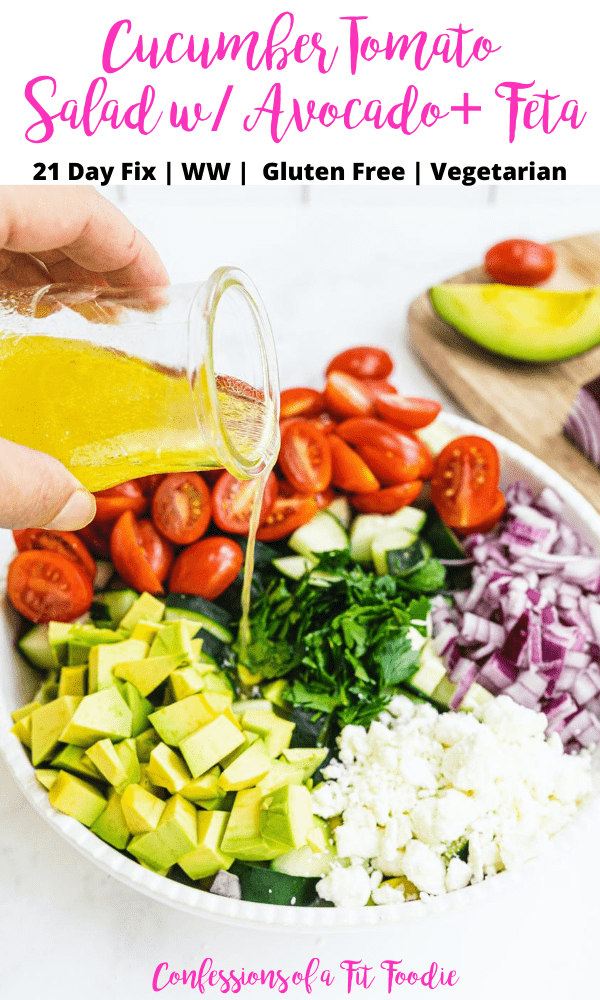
x,y
18,682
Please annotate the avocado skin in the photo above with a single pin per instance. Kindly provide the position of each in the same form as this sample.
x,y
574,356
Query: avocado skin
x,y
526,324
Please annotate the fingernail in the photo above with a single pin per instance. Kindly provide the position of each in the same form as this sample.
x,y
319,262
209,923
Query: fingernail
x,y
77,512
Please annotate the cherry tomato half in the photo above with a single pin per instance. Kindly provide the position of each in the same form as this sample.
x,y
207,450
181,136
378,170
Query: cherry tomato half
x,y
301,403
362,362
346,396
97,539
465,482
48,586
305,457
206,568
135,553
110,504
387,501
377,387
233,501
288,513
350,472
409,412
158,551
181,507
65,542
375,433
148,484
492,517
520,262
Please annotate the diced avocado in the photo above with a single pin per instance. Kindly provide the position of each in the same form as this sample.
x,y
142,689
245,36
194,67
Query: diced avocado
x,y
98,715
74,759
46,777
173,639
104,756
146,675
247,704
208,745
27,709
144,781
286,816
36,648
167,770
48,691
22,730
77,653
246,770
146,608
146,631
273,691
280,774
103,660
140,708
88,634
218,683
175,836
531,324
319,837
431,671
249,739
127,754
113,605
180,719
207,858
47,725
77,798
247,678
276,732
145,743
185,681
72,681
58,636
242,838
111,825
217,701
323,533
204,788
306,759
141,809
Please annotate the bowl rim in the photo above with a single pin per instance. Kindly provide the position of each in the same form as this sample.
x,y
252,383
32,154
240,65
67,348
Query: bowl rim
x,y
262,915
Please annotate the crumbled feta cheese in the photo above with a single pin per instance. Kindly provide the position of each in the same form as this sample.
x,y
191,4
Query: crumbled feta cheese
x,y
418,783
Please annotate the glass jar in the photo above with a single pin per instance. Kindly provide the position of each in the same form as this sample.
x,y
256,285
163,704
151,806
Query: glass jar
x,y
118,384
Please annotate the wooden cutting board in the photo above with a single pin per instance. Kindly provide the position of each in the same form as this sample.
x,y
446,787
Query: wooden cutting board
x,y
526,402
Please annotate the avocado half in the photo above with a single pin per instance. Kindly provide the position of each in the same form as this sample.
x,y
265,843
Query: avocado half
x,y
529,324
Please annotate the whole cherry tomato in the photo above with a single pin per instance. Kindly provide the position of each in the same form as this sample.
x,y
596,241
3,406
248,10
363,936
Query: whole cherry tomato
x,y
350,472
464,487
387,501
346,396
409,412
233,501
48,586
66,542
377,387
206,568
362,362
301,402
305,457
181,507
520,262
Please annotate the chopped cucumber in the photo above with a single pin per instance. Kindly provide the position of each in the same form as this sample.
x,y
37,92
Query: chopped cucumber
x,y
442,539
432,670
436,436
265,885
304,862
210,616
395,541
294,567
323,533
340,508
36,648
113,605
400,562
366,527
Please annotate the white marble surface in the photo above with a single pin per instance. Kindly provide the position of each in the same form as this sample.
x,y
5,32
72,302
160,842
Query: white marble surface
x,y
335,267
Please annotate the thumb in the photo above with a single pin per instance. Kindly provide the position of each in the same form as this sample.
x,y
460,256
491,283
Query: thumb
x,y
37,491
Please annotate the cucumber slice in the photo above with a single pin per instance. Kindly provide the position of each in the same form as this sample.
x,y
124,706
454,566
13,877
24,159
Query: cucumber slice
x,y
409,517
431,671
395,541
323,533
436,436
366,527
113,605
340,508
36,648
442,539
265,885
304,863
209,616
294,567
403,561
